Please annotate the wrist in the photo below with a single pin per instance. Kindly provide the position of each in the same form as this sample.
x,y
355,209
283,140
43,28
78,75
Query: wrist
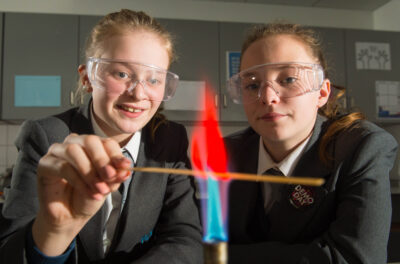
x,y
53,240
34,255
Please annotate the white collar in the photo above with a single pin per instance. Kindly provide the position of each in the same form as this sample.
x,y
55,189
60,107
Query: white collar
x,y
133,144
286,166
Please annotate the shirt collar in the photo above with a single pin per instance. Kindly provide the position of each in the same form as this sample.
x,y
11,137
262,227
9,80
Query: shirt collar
x,y
133,144
286,166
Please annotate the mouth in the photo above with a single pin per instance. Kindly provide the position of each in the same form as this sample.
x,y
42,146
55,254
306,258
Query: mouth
x,y
271,116
130,109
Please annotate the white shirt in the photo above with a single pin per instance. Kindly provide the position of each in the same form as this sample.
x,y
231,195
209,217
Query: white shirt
x,y
133,148
286,166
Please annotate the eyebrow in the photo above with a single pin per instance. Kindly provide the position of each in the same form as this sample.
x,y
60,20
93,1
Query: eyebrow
x,y
135,66
248,74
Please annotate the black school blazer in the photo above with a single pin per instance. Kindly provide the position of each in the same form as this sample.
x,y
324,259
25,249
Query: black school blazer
x,y
160,222
349,218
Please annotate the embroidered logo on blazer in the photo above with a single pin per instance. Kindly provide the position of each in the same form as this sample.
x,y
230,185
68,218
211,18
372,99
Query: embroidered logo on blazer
x,y
146,237
301,196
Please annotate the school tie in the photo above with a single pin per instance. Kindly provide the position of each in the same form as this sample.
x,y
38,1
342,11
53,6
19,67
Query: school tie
x,y
118,202
270,192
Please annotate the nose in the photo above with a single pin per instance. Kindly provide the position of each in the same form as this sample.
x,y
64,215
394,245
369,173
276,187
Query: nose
x,y
137,89
268,94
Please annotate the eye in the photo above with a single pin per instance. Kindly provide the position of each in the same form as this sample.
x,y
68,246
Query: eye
x,y
122,75
253,86
288,81
155,78
153,81
251,83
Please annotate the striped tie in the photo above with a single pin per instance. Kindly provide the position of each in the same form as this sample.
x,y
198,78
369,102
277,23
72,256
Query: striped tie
x,y
118,202
270,191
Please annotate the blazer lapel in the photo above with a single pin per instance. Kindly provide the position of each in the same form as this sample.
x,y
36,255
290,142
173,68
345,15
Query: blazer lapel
x,y
143,203
296,218
311,155
90,237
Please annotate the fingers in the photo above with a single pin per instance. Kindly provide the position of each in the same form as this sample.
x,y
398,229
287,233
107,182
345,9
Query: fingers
x,y
49,166
97,156
76,156
117,161
99,162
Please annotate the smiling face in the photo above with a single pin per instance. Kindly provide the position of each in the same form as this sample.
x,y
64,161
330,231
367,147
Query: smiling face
x,y
121,114
283,123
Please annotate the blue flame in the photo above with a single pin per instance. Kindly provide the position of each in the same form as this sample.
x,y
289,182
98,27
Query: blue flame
x,y
215,224
214,208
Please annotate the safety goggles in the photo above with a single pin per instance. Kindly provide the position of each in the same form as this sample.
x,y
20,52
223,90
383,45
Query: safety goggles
x,y
118,76
287,79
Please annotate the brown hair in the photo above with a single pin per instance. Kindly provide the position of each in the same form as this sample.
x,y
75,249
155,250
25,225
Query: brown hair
x,y
332,109
119,23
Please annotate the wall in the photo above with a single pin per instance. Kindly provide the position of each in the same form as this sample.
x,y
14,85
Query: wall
x,y
200,10
387,16
8,152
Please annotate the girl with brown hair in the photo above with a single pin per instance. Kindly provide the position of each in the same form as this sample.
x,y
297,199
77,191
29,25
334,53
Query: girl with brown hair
x,y
297,130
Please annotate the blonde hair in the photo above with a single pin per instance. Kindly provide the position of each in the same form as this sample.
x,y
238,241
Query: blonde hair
x,y
119,23
332,110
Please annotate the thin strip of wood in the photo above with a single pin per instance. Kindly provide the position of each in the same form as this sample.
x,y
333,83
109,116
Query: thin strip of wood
x,y
236,176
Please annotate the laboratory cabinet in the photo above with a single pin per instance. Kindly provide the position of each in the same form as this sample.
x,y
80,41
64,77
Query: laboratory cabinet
x,y
332,43
50,47
372,67
333,49
196,46
40,61
41,53
86,24
231,37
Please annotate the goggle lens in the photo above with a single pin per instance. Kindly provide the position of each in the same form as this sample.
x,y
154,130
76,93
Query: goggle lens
x,y
119,76
286,79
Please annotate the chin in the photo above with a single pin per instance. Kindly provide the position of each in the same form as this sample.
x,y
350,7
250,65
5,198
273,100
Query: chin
x,y
129,128
273,137
271,133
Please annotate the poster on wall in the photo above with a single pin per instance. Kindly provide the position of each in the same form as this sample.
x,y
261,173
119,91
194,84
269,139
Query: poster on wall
x,y
37,91
373,56
388,99
232,63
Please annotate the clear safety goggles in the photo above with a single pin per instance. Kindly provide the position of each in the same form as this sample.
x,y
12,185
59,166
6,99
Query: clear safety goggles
x,y
287,79
118,76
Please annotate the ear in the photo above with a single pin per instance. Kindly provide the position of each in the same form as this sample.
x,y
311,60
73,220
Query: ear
x,y
324,93
84,78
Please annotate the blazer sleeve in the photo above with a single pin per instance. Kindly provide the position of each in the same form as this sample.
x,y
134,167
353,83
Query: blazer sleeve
x,y
360,230
178,230
21,199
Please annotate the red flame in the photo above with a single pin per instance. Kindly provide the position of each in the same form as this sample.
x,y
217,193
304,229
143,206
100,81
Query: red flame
x,y
208,149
